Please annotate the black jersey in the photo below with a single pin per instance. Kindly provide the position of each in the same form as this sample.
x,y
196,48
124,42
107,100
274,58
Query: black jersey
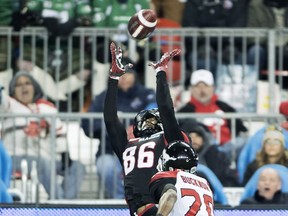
x,y
140,160
139,157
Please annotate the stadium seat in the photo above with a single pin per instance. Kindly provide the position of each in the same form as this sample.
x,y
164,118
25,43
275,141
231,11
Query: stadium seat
x,y
5,173
251,185
215,184
249,151
5,197
5,166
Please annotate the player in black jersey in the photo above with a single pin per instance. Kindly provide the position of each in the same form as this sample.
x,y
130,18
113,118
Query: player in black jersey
x,y
152,129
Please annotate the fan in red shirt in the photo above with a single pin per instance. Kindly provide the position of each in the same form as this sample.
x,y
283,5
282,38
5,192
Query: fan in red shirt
x,y
204,100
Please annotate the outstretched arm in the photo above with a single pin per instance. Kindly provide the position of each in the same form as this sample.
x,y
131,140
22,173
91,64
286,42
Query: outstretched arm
x,y
115,128
164,101
166,202
5,100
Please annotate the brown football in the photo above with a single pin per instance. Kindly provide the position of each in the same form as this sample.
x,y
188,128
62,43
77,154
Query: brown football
x,y
142,24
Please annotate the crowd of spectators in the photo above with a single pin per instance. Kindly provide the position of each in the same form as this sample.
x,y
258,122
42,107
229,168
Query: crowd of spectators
x,y
29,138
62,74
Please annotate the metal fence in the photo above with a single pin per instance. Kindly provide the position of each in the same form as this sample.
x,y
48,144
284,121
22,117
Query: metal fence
x,y
58,63
83,148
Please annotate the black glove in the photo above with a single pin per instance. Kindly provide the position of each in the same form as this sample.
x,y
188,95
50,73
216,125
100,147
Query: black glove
x,y
65,160
23,18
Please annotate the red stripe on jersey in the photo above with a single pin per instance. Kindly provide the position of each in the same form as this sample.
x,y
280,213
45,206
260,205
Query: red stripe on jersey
x,y
166,174
149,206
185,136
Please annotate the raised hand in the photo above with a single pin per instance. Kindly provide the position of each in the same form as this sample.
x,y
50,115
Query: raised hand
x,y
162,65
117,69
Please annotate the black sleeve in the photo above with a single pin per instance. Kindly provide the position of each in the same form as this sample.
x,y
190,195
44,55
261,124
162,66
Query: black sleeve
x,y
239,123
250,170
239,14
157,187
116,130
172,130
190,15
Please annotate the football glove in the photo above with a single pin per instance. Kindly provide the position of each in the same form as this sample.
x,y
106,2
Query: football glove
x,y
117,69
162,65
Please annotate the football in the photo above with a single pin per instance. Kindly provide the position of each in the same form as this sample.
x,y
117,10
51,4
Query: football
x,y
142,24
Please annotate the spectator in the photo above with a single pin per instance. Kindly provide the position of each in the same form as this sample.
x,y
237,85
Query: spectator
x,y
115,14
283,109
269,14
30,139
132,97
63,77
204,100
6,72
268,189
251,147
60,18
177,179
212,14
6,12
209,154
273,151
51,68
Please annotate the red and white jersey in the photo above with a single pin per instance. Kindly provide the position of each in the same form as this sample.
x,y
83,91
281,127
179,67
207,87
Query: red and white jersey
x,y
194,196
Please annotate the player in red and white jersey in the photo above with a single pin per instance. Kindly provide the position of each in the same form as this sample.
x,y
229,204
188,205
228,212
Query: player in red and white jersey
x,y
177,189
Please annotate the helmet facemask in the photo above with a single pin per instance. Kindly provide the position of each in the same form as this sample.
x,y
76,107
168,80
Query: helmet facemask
x,y
146,123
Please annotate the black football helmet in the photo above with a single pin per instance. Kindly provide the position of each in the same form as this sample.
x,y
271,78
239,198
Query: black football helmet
x,y
142,127
178,155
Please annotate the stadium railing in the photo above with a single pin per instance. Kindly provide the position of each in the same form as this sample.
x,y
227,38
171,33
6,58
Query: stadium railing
x,y
56,55
84,148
